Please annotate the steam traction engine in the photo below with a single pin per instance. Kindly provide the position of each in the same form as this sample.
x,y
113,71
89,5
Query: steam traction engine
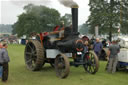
x,y
50,48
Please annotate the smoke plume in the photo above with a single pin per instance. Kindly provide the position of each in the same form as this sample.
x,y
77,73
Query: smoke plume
x,y
69,3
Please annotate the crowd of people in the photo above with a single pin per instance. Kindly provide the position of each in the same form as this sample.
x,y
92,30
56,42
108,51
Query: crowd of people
x,y
112,53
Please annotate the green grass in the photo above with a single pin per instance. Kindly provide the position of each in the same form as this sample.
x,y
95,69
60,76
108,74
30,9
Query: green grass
x,y
20,75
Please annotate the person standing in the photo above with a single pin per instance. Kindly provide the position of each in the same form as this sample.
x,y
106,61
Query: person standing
x,y
97,46
4,59
85,46
113,51
1,68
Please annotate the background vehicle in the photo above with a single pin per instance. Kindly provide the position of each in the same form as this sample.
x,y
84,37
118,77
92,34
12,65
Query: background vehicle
x,y
123,54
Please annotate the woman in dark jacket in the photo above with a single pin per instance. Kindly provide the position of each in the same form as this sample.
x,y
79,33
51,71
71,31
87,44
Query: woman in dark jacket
x,y
4,59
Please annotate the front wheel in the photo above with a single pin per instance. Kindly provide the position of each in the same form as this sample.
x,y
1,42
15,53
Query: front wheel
x,y
62,66
91,62
34,55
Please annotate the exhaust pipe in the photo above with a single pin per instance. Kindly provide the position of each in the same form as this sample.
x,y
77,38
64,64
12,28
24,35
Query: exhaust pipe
x,y
75,20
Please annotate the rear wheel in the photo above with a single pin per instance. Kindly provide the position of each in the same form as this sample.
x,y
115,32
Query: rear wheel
x,y
91,62
34,55
62,66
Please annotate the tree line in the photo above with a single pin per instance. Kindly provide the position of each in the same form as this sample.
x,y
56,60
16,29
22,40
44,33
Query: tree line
x,y
6,28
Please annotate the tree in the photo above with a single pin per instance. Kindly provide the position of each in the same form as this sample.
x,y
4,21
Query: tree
x,y
83,29
67,18
106,14
36,19
124,16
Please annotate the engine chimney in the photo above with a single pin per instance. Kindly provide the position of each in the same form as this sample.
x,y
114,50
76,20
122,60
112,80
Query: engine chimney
x,y
75,20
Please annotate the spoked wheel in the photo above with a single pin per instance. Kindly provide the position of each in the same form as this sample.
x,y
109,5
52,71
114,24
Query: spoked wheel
x,y
34,55
91,62
62,66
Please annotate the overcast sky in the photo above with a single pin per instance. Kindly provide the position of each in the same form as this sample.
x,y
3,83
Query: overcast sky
x,y
10,9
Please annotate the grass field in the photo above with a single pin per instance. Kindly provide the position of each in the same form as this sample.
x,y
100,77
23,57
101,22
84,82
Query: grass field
x,y
20,75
